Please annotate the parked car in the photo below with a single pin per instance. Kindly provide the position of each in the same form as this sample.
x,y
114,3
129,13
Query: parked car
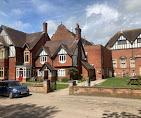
x,y
13,89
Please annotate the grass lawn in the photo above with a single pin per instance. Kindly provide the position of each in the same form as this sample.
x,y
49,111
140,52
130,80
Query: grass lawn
x,y
61,86
118,82
58,86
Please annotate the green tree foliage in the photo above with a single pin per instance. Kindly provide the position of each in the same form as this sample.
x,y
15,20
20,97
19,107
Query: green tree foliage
x,y
72,72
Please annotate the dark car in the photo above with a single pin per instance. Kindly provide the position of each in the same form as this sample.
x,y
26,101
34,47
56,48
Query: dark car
x,y
13,89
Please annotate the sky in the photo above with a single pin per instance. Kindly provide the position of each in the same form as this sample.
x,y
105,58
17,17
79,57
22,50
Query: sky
x,y
99,20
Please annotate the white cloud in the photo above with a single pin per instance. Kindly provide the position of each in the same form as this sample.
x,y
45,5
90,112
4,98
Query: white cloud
x,y
130,5
106,12
17,11
19,25
52,27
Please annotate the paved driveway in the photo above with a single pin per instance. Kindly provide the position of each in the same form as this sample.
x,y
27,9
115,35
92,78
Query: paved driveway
x,y
61,105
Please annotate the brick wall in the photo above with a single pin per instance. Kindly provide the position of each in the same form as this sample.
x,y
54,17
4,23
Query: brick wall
x,y
3,62
66,75
56,62
127,53
101,58
19,56
84,72
107,61
38,64
106,91
12,68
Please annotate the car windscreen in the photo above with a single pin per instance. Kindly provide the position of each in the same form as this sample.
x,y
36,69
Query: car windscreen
x,y
4,84
11,84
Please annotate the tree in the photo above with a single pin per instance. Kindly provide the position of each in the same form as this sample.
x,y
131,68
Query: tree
x,y
72,72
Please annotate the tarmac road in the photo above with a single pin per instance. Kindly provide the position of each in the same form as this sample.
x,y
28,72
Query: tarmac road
x,y
61,105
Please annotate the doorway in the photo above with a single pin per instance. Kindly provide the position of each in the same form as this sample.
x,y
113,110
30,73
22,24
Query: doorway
x,y
20,75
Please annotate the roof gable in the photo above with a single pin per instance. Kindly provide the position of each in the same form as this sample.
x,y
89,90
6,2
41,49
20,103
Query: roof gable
x,y
43,52
19,38
130,35
68,44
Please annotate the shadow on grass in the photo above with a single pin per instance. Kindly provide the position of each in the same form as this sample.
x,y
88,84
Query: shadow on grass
x,y
27,111
121,115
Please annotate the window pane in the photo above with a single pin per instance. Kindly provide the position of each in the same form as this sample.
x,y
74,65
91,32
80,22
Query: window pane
x,y
120,42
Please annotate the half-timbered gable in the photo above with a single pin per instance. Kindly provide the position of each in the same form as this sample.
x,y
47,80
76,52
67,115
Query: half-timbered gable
x,y
125,47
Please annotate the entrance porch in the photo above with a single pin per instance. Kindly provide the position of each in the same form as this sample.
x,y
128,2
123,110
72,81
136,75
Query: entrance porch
x,y
23,72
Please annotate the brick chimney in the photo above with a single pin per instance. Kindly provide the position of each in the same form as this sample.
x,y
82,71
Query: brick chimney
x,y
45,29
78,32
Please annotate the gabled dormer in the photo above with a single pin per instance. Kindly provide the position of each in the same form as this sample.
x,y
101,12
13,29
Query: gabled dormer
x,y
125,40
62,55
122,40
43,56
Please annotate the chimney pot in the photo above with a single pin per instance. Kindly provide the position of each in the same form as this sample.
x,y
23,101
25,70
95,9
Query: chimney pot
x,y
77,26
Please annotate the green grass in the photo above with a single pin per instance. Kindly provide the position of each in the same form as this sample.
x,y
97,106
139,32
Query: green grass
x,y
118,82
61,86
28,84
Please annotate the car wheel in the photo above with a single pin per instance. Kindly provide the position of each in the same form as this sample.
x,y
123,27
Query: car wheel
x,y
10,95
27,93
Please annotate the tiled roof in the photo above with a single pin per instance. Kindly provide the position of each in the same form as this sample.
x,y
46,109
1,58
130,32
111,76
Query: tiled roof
x,y
130,35
32,39
48,65
68,44
86,65
19,38
61,26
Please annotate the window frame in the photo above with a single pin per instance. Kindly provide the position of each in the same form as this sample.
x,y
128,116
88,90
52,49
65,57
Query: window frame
x,y
122,63
119,42
2,70
25,56
61,72
115,63
131,63
138,40
62,58
40,73
43,59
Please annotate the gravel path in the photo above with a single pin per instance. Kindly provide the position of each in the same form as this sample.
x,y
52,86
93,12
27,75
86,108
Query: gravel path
x,y
61,105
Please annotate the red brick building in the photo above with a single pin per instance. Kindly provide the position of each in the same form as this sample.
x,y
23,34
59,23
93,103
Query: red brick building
x,y
126,52
17,50
65,50
101,58
23,55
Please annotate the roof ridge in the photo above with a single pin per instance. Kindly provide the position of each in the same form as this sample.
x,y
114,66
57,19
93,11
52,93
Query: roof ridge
x,y
34,33
13,29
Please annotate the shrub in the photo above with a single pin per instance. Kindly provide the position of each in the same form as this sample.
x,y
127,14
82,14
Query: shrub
x,y
84,76
65,80
72,72
81,80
